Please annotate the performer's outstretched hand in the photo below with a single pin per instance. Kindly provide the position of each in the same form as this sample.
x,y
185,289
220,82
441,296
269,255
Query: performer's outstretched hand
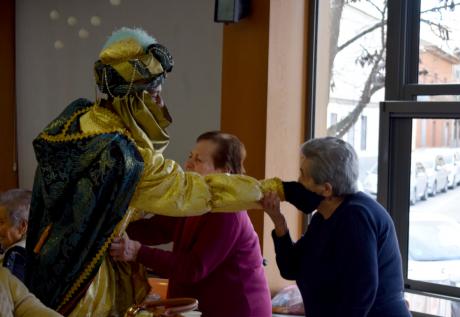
x,y
124,249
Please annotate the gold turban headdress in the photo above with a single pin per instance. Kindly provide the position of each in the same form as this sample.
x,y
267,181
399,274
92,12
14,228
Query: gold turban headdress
x,y
130,66
131,61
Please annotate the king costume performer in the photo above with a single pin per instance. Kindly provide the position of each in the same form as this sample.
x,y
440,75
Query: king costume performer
x,y
101,162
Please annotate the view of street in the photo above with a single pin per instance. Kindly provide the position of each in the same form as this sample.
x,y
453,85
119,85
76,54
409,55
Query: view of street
x,y
443,203
434,249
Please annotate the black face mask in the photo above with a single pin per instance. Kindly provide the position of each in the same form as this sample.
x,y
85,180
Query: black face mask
x,y
302,198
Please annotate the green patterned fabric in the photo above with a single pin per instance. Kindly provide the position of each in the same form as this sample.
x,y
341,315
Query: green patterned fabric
x,y
82,188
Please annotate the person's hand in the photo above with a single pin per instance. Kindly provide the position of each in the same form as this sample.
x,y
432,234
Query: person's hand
x,y
271,204
124,249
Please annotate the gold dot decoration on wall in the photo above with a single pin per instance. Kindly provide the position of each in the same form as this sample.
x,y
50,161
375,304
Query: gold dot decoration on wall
x,y
83,26
83,33
58,45
95,20
54,15
115,2
72,21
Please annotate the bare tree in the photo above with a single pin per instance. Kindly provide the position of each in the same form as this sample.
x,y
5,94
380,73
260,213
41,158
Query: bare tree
x,y
374,60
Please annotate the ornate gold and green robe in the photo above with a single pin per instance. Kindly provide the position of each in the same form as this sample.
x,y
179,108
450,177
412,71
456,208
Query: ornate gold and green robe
x,y
95,167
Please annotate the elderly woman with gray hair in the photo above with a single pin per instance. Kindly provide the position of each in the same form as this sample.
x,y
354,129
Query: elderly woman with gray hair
x,y
348,262
14,214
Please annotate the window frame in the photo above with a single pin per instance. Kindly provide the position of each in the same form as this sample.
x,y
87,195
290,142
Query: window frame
x,y
394,174
396,114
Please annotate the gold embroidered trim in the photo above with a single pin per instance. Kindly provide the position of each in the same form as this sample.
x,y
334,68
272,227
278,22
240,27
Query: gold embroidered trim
x,y
116,121
87,271
121,226
64,137
75,137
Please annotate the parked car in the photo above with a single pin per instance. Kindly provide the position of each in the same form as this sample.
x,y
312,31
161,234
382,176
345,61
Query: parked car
x,y
418,182
434,249
435,169
452,161
434,256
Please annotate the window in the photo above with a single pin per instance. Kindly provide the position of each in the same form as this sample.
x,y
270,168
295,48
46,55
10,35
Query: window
x,y
363,133
406,54
456,74
350,75
333,119
421,123
439,52
351,135
422,194
423,133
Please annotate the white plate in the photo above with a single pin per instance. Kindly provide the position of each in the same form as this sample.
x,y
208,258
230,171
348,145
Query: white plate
x,y
191,314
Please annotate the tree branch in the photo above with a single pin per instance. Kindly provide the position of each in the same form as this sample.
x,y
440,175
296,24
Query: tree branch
x,y
451,6
374,81
357,36
371,86
376,7
443,31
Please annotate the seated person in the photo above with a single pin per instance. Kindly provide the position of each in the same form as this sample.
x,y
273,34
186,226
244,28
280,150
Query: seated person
x,y
348,261
216,257
17,301
14,214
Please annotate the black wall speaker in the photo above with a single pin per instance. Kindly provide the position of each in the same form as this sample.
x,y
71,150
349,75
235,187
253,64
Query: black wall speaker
x,y
231,11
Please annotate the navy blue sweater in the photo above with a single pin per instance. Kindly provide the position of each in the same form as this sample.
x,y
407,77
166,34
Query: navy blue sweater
x,y
15,261
347,265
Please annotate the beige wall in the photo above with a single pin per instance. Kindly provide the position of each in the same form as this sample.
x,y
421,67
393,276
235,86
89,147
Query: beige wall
x,y
244,89
48,79
285,112
263,101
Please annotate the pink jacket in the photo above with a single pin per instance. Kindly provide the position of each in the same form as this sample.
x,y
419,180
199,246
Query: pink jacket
x,y
216,258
